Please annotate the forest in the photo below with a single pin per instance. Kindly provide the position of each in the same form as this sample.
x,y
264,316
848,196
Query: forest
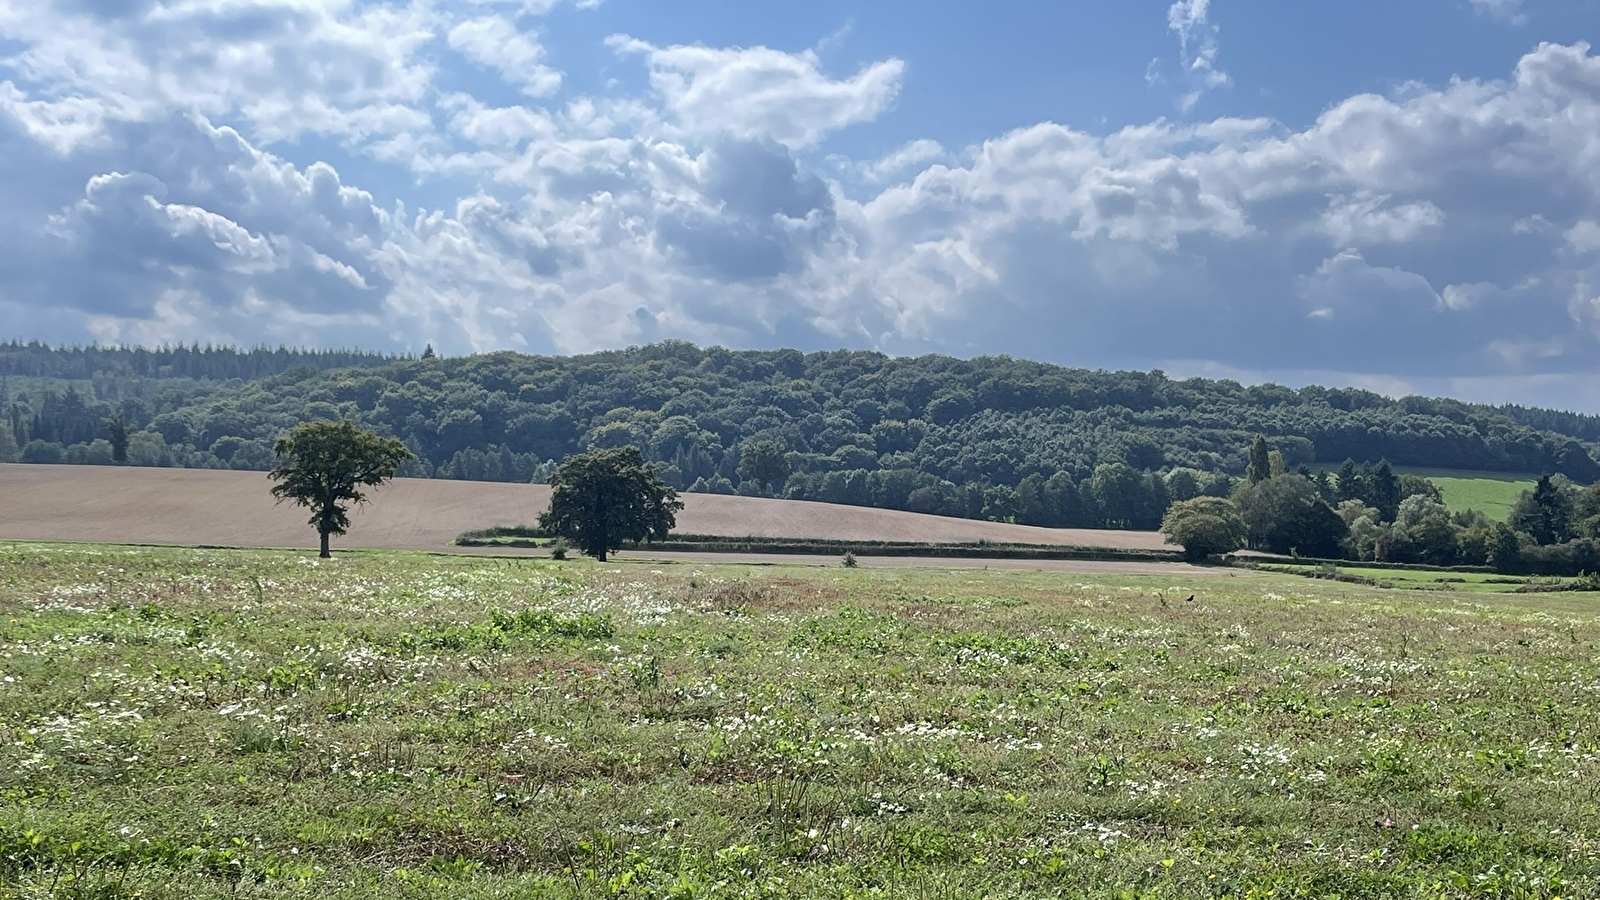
x,y
991,437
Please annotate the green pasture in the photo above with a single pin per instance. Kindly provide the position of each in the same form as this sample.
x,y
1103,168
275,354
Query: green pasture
x,y
227,724
1424,580
1492,493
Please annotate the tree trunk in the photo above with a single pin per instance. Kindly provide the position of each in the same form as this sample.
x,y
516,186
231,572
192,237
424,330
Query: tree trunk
x,y
602,556
325,554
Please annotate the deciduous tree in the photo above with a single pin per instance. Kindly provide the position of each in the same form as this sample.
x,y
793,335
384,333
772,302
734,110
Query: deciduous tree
x,y
765,463
604,498
1204,527
323,466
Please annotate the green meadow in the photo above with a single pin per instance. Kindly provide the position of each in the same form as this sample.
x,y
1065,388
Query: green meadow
x,y
1492,493
208,724
1423,579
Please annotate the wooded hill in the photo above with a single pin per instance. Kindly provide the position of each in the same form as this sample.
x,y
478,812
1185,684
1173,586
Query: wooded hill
x,y
992,437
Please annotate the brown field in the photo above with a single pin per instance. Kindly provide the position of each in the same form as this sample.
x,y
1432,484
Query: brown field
x,y
234,509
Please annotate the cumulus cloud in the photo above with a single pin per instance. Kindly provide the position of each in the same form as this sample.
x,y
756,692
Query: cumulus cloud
x,y
910,158
761,216
759,92
495,42
1346,286
1361,220
1584,237
288,67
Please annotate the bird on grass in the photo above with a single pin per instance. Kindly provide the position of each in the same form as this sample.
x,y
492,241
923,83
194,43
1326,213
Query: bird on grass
x,y
1190,600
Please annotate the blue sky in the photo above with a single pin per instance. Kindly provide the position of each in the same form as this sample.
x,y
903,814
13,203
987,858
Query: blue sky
x,y
1401,196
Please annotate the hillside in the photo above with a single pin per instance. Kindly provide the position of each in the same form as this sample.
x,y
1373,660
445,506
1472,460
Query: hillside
x,y
990,438
234,509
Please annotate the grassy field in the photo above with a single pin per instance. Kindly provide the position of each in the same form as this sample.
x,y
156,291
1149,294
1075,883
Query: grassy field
x,y
193,724
1493,493
1423,580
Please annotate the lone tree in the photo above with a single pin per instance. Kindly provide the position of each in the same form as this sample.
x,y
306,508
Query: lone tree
x,y
1204,527
323,466
603,498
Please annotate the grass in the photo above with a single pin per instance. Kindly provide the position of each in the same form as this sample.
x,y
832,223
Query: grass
x,y
529,538
1422,579
198,724
1492,493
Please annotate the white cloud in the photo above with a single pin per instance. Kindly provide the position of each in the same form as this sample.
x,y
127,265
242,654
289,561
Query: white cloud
x,y
1467,296
495,42
1372,219
1584,237
911,157
289,67
761,92
1198,47
1346,285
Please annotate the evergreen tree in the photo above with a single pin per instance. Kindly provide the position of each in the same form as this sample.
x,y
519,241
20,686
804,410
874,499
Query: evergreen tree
x,y
1260,468
1545,513
1348,482
1383,490
117,433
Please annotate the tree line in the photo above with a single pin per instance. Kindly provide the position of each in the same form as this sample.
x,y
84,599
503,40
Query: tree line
x,y
1368,513
992,437
607,497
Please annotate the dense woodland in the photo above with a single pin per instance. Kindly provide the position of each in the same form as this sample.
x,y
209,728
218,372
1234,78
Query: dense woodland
x,y
992,437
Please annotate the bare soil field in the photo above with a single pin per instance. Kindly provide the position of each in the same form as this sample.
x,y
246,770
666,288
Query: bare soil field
x,y
234,509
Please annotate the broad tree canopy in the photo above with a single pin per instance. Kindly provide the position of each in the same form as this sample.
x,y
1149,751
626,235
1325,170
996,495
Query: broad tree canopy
x,y
323,466
1204,527
604,498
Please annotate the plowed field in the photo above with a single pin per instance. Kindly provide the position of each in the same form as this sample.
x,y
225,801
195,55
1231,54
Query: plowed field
x,y
234,509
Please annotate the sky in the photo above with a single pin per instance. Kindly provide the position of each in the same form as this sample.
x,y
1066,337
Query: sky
x,y
1398,196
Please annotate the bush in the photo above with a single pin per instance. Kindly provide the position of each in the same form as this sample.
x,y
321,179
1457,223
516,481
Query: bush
x,y
43,452
849,561
559,548
1566,560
